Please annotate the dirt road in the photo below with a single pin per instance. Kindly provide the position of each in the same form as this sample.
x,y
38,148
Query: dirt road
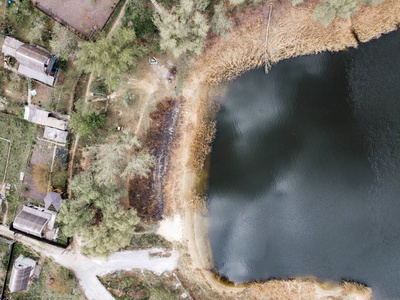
x,y
87,269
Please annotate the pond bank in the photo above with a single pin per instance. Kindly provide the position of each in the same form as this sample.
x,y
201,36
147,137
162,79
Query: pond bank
x,y
293,32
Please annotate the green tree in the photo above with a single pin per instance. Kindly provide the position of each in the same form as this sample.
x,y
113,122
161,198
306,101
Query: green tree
x,y
63,43
35,34
74,215
138,165
112,234
119,156
328,9
89,198
220,23
84,124
110,57
182,29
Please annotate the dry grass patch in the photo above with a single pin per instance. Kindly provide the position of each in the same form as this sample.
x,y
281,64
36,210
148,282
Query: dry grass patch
x,y
371,21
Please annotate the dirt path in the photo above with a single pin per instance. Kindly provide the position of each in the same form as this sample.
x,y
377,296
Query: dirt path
x,y
2,187
71,161
71,98
117,20
5,214
87,269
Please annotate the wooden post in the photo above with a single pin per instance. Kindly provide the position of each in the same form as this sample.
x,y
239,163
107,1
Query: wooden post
x,y
266,60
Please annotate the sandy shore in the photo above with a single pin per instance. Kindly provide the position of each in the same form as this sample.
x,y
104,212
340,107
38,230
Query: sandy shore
x,y
293,32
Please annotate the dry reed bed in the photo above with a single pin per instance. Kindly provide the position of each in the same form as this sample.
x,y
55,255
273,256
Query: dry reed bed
x,y
293,32
371,22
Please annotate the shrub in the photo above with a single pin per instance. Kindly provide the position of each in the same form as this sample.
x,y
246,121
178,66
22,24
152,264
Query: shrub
x,y
84,124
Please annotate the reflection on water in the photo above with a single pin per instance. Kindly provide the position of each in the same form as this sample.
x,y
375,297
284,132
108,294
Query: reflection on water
x,y
305,170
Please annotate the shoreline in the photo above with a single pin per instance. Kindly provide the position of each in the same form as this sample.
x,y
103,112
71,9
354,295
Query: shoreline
x,y
292,33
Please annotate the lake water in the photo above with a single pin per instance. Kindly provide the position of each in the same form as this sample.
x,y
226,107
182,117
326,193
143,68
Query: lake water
x,y
305,170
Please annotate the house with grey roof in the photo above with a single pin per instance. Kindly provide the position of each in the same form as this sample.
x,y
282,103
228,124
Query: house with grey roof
x,y
36,221
37,115
55,135
22,272
55,125
53,199
34,61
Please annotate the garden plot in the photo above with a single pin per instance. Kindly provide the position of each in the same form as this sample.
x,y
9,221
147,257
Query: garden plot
x,y
85,16
37,173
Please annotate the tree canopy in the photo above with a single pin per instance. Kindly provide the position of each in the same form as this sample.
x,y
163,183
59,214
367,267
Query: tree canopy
x,y
84,124
63,43
119,156
89,198
326,11
220,23
110,57
112,234
184,28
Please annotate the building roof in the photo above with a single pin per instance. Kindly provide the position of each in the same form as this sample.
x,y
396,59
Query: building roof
x,y
56,123
39,116
37,75
31,220
34,61
36,115
54,199
10,46
55,135
23,269
33,57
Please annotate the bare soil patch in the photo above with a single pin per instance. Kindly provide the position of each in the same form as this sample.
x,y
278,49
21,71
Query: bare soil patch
x,y
84,16
147,194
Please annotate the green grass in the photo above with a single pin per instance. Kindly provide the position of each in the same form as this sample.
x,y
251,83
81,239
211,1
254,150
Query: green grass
x,y
21,134
3,157
55,282
4,252
113,17
146,241
26,22
142,285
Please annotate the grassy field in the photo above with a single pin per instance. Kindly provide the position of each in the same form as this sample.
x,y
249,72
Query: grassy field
x,y
4,252
21,134
55,282
3,157
143,285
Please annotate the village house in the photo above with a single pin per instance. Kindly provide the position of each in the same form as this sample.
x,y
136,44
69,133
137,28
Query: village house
x,y
22,272
34,61
36,221
56,125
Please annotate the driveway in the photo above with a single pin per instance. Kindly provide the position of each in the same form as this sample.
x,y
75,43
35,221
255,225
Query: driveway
x,y
87,269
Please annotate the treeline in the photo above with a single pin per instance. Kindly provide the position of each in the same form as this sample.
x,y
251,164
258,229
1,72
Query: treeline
x,y
327,10
95,211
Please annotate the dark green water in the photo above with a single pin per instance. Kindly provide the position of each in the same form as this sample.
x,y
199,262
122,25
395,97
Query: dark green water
x,y
305,170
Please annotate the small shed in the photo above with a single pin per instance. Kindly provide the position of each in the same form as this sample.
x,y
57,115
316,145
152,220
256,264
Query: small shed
x,y
55,135
36,115
23,270
34,220
54,199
